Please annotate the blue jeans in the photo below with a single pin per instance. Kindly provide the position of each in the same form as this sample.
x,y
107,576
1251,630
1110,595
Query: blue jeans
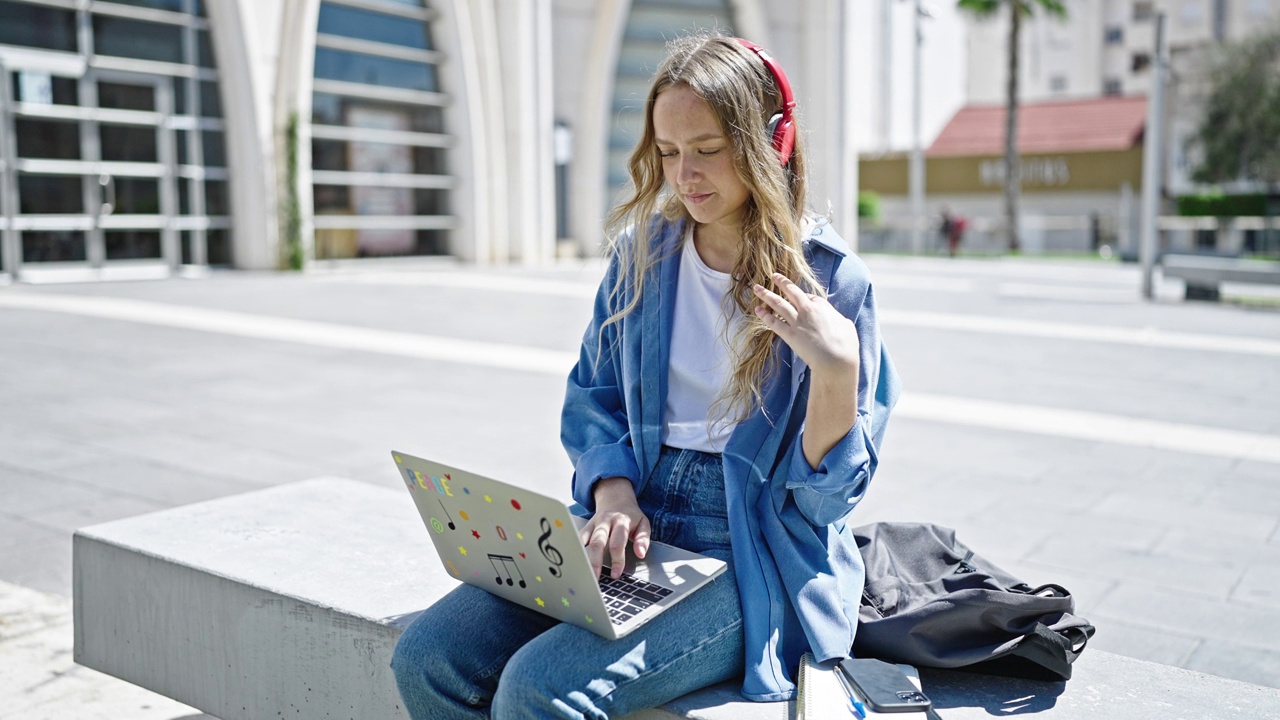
x,y
474,655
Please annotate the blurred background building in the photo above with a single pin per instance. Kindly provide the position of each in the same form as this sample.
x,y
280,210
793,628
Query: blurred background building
x,y
145,138
1083,86
142,138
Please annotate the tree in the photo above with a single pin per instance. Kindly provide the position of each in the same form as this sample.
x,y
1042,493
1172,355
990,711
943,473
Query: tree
x,y
1018,10
1239,132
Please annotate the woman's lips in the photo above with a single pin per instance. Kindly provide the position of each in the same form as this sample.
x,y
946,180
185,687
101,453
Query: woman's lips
x,y
697,198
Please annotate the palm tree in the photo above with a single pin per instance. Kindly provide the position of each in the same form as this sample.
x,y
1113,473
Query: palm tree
x,y
1017,10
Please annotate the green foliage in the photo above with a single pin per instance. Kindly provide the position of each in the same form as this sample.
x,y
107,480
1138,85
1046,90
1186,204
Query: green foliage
x,y
1239,133
869,205
986,8
293,254
1218,205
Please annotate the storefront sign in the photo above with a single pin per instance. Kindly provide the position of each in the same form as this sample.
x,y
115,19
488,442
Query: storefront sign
x,y
1043,171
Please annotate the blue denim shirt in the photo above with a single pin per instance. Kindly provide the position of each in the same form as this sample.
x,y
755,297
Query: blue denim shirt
x,y
799,572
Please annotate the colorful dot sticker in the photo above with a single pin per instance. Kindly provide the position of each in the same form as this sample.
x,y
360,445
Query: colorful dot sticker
x,y
463,514
519,536
540,602
565,601
588,617
466,491
538,578
398,460
453,569
488,499
462,550
559,524
475,534
515,503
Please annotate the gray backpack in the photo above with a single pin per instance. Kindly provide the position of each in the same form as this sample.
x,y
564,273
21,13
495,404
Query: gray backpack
x,y
930,601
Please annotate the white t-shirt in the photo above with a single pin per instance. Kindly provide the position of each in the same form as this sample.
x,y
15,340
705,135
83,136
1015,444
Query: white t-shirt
x,y
700,361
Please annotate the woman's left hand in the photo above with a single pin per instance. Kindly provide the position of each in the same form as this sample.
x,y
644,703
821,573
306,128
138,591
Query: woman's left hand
x,y
814,330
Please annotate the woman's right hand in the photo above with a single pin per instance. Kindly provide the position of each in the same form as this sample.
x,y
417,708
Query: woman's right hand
x,y
618,520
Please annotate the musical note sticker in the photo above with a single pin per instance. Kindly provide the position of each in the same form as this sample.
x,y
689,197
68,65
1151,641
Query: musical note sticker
x,y
548,550
508,562
446,514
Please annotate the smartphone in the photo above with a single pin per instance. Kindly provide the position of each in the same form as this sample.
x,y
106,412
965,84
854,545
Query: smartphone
x,y
883,686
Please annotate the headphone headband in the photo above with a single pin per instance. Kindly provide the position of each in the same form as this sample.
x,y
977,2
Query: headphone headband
x,y
783,123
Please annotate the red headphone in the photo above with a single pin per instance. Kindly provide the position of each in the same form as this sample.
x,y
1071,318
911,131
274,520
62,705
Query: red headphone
x,y
782,128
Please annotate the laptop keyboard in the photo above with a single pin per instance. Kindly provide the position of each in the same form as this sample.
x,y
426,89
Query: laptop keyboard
x,y
628,595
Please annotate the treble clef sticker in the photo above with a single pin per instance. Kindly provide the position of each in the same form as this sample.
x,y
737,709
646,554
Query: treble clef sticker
x,y
548,550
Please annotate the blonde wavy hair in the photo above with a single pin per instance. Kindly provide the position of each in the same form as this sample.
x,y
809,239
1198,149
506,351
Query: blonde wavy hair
x,y
744,96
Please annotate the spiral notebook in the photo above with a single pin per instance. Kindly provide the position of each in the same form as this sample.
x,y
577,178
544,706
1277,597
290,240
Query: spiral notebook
x,y
821,696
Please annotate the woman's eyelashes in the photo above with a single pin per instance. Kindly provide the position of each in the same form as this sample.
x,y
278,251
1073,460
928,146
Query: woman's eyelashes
x,y
704,153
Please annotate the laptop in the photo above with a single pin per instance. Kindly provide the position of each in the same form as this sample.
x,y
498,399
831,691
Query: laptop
x,y
524,547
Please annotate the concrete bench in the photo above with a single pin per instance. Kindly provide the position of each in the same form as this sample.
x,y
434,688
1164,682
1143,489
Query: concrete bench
x,y
1204,274
287,602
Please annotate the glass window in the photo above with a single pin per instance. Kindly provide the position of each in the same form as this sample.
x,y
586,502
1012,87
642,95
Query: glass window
x,y
204,49
215,198
339,155
53,246
132,244
329,109
215,149
52,139
180,86
218,247
137,196
180,140
128,143
185,239
372,70
431,202
35,26
120,96
184,196
375,26
210,100
50,194
65,91
332,199
170,5
123,37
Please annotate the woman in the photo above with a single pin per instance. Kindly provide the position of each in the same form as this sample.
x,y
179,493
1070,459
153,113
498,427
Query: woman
x,y
730,398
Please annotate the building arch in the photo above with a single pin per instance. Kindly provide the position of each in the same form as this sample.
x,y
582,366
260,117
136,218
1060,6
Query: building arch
x,y
590,196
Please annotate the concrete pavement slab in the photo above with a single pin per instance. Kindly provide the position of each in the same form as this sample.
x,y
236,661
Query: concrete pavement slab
x,y
1161,646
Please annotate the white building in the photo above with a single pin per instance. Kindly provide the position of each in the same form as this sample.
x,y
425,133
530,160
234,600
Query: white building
x,y
142,138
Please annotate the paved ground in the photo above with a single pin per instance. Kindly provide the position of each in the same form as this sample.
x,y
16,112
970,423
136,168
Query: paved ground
x,y
1129,451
